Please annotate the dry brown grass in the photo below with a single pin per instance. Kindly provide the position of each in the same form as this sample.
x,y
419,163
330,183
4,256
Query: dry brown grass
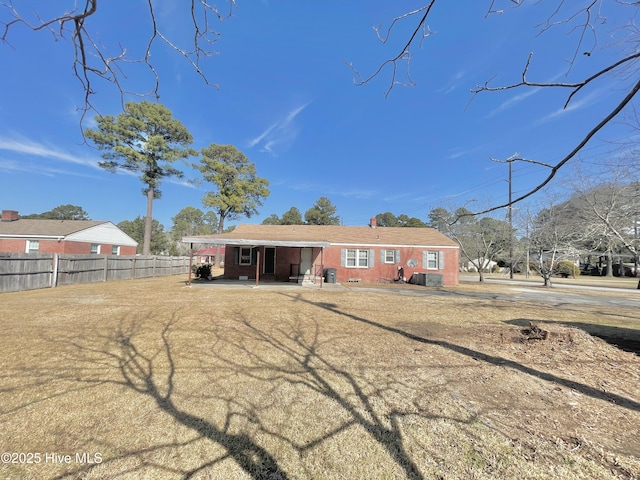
x,y
170,382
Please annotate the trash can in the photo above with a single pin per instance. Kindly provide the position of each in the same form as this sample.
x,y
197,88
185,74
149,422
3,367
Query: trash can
x,y
330,275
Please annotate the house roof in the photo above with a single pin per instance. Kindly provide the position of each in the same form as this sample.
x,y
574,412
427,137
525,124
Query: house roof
x,y
325,235
77,230
45,228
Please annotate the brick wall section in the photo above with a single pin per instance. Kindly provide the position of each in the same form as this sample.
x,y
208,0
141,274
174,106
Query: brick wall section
x,y
389,271
13,246
53,246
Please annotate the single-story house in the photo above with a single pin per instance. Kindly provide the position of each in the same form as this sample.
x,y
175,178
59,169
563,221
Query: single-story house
x,y
62,236
309,253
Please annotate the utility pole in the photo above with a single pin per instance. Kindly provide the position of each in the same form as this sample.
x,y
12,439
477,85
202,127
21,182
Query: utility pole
x,y
510,212
510,160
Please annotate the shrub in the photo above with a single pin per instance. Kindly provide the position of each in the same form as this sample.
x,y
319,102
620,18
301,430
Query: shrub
x,y
566,268
202,270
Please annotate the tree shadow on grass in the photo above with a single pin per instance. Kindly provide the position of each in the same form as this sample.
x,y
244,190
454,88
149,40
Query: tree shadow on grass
x,y
292,355
152,375
494,360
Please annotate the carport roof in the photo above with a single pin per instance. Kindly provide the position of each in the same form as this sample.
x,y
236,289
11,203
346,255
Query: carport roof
x,y
325,235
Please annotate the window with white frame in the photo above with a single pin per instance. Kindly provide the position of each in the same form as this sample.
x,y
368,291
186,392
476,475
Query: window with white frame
x,y
389,256
432,261
33,246
115,250
95,248
356,258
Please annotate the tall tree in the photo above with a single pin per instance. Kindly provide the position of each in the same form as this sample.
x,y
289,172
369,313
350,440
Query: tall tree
x,y
481,240
136,230
323,212
191,221
608,213
272,219
407,221
386,219
144,139
552,239
292,217
238,189
61,212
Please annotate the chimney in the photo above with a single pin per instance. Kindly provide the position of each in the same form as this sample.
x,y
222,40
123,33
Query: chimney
x,y
9,215
373,222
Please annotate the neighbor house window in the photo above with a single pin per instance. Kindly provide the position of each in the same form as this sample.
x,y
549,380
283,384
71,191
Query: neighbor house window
x,y
390,256
357,258
433,260
33,246
115,250
95,248
245,256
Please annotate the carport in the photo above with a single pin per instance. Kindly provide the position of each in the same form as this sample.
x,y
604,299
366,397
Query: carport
x,y
300,261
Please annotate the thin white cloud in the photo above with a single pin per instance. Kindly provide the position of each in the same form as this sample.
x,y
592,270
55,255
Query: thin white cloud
x,y
574,105
28,147
512,101
516,99
354,193
280,135
12,166
453,83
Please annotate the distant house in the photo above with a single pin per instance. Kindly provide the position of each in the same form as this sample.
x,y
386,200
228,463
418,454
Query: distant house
x,y
307,253
207,255
62,236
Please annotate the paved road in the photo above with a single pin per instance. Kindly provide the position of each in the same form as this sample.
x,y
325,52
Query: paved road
x,y
516,291
527,291
559,294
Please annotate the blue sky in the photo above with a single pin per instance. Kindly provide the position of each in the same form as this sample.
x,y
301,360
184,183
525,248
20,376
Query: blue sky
x,y
287,99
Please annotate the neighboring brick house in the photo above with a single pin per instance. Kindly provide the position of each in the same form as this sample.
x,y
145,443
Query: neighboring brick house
x,y
304,253
62,236
207,255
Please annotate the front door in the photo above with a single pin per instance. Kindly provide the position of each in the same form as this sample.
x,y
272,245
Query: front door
x,y
306,255
269,260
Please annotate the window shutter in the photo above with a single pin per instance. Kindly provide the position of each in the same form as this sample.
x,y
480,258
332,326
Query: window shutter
x,y
343,257
371,256
382,255
397,256
254,255
441,260
424,260
236,255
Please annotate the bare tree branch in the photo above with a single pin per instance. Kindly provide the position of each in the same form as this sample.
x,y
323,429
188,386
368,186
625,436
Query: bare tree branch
x,y
576,86
582,20
554,170
91,59
405,52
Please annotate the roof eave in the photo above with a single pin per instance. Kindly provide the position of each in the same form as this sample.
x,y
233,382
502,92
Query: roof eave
x,y
253,242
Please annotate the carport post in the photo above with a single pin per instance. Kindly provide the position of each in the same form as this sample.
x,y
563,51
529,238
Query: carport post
x,y
257,266
190,263
322,266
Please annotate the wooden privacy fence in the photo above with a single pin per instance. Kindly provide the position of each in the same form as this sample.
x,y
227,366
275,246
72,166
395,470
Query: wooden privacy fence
x,y
30,271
